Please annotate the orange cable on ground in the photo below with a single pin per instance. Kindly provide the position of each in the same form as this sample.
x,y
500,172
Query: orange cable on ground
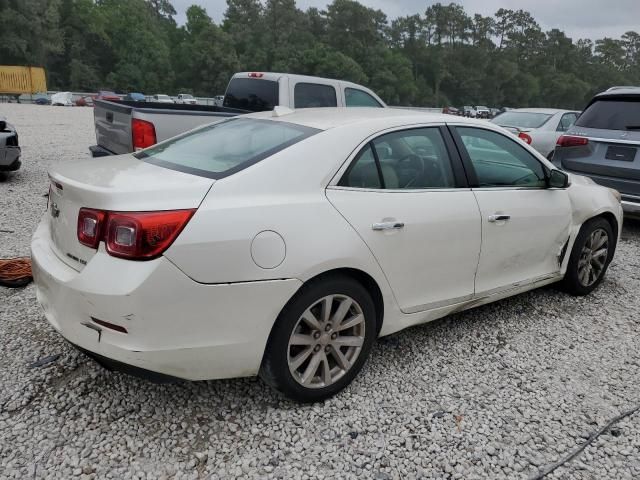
x,y
15,272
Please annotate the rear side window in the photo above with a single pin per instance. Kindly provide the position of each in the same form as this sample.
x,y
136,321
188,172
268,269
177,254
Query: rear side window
x,y
612,115
363,173
358,98
224,148
252,94
311,95
407,159
566,121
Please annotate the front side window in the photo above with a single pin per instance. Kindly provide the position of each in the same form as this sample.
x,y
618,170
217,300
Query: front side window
x,y
499,161
407,159
311,95
218,150
359,98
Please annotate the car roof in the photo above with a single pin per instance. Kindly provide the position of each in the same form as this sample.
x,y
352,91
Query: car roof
x,y
619,92
548,111
332,117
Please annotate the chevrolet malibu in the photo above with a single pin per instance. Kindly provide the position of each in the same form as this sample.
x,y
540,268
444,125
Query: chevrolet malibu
x,y
283,243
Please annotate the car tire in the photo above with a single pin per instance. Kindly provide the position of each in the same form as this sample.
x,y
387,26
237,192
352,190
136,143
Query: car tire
x,y
312,355
588,261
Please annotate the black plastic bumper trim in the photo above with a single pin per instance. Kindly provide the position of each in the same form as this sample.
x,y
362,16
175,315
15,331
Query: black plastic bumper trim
x,y
114,365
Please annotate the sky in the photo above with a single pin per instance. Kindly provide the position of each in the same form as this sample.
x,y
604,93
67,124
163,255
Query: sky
x,y
577,18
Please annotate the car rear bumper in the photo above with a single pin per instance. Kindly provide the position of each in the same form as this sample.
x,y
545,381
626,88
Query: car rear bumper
x,y
631,205
172,325
9,159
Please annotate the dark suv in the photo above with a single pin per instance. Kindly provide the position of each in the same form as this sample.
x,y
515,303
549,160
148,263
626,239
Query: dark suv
x,y
603,144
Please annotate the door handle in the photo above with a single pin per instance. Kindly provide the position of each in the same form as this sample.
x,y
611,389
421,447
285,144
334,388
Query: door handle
x,y
498,217
387,226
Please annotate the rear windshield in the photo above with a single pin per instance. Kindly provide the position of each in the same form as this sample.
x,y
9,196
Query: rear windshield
x,y
611,115
224,148
251,94
522,119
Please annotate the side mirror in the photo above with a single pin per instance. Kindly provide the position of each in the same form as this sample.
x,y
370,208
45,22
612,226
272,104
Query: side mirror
x,y
558,179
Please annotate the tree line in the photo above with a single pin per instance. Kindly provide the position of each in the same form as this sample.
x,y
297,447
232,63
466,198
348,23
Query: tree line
x,y
443,56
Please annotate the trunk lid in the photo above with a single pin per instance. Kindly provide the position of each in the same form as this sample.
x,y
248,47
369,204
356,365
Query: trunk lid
x,y
118,183
113,126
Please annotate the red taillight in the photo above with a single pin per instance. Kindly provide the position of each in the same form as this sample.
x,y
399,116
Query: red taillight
x,y
571,141
525,138
143,133
90,224
132,235
256,75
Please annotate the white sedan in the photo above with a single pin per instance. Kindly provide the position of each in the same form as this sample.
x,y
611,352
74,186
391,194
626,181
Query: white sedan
x,y
538,127
284,243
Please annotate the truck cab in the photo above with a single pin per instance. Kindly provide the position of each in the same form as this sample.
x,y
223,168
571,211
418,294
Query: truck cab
x,y
260,91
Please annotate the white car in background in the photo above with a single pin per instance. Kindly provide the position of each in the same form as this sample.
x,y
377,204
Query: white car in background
x,y
284,243
469,111
161,98
482,111
62,99
186,99
538,127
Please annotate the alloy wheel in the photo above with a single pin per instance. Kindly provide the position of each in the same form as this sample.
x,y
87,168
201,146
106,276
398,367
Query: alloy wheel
x,y
593,257
326,341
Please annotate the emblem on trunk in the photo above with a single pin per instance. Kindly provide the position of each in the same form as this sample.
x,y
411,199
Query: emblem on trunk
x,y
55,211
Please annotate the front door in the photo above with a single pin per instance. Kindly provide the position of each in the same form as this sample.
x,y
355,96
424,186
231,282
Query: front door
x,y
525,225
404,195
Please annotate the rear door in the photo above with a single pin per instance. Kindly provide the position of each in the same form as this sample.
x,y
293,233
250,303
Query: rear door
x,y
525,225
404,193
610,155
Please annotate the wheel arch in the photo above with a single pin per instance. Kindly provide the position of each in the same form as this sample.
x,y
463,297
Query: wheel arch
x,y
611,220
366,280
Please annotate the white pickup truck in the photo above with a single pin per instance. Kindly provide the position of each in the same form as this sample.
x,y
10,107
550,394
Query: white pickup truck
x,y
185,99
123,127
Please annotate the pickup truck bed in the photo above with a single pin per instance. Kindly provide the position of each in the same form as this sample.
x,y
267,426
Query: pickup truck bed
x,y
113,122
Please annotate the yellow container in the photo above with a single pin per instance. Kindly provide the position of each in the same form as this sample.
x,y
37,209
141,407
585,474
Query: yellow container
x,y
18,80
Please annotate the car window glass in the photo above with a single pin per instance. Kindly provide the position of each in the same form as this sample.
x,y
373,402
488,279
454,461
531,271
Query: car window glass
x,y
226,147
566,121
521,119
358,98
611,115
256,95
363,172
311,95
499,161
407,159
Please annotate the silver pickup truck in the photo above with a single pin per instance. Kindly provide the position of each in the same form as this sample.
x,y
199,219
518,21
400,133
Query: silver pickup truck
x,y
125,126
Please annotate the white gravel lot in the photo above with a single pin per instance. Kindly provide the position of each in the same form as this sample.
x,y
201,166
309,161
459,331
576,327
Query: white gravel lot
x,y
497,392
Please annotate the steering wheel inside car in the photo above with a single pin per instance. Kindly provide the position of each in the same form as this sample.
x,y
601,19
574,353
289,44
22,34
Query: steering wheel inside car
x,y
412,163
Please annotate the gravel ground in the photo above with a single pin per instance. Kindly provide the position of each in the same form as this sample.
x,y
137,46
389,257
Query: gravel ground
x,y
497,392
